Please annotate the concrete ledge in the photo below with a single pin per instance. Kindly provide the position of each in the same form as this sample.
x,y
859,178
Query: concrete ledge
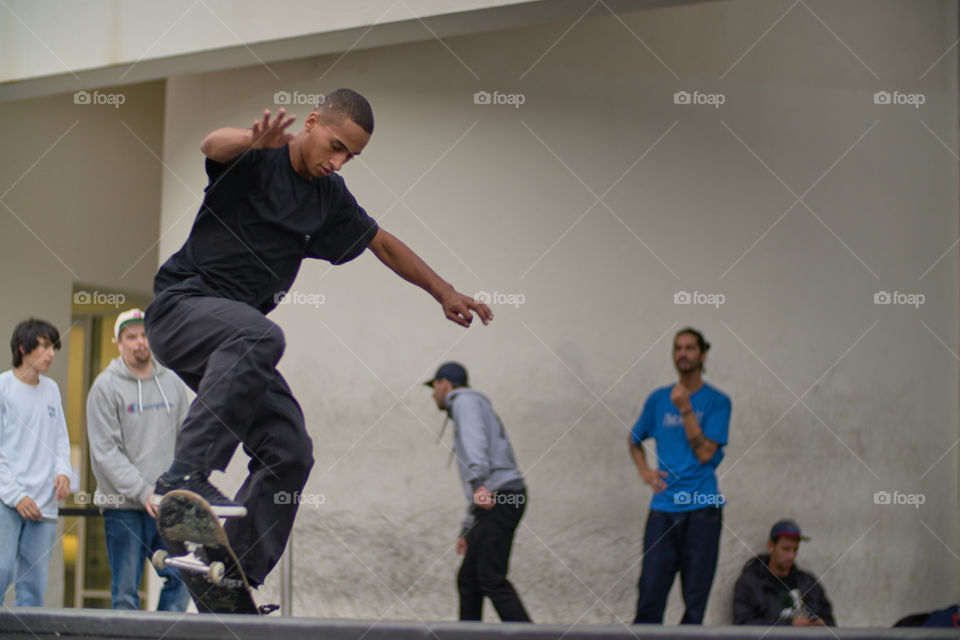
x,y
390,32
40,624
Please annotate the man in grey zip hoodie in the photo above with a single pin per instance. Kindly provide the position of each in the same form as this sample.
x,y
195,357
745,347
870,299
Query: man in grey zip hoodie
x,y
495,491
134,410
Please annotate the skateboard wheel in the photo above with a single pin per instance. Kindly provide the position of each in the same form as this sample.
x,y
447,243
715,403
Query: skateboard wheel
x,y
159,559
215,572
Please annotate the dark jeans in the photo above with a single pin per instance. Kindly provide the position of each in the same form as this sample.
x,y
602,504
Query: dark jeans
x,y
227,352
688,542
484,568
131,539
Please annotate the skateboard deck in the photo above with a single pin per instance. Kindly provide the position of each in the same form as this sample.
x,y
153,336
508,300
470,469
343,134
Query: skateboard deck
x,y
198,547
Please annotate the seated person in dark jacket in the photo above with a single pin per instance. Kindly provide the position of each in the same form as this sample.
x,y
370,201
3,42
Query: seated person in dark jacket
x,y
772,590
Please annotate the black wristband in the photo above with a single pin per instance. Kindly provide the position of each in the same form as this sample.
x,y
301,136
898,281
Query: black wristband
x,y
684,414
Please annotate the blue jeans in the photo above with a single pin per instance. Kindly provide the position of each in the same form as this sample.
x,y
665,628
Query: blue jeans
x,y
688,542
25,548
131,539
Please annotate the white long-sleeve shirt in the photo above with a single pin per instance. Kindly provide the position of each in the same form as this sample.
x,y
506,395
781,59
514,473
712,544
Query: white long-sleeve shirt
x,y
34,442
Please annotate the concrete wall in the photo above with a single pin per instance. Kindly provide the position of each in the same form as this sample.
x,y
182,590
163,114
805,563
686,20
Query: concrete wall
x,y
598,200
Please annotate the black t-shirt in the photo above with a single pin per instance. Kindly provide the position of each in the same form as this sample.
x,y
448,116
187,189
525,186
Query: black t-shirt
x,y
259,219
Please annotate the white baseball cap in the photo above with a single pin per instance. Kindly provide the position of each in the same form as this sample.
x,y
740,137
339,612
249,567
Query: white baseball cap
x,y
124,319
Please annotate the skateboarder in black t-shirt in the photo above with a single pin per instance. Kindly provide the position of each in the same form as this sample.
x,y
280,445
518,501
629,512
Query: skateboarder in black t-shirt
x,y
274,198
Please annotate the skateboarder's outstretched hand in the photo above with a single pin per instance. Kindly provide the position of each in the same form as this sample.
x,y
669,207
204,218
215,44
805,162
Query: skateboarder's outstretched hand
x,y
457,308
267,133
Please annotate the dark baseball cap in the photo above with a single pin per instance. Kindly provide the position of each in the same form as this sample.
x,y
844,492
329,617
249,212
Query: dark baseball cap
x,y
788,529
452,371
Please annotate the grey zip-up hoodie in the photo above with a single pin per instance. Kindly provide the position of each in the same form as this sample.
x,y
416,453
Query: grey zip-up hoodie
x,y
132,426
481,447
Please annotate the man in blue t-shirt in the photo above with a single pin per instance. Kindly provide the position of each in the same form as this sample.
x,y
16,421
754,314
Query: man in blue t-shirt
x,y
689,420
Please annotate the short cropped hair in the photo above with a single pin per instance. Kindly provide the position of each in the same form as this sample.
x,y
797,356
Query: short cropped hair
x,y
27,334
349,103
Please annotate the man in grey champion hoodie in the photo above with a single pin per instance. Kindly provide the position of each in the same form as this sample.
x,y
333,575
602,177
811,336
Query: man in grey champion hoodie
x,y
495,492
134,410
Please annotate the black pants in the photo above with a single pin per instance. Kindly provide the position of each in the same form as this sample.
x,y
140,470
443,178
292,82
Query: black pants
x,y
227,352
688,542
484,568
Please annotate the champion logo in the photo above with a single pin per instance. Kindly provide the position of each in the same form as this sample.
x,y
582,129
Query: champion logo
x,y
156,406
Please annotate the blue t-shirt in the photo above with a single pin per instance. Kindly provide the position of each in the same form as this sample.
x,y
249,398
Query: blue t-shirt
x,y
690,483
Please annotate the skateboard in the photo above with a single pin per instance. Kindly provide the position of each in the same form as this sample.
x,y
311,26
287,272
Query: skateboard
x,y
198,547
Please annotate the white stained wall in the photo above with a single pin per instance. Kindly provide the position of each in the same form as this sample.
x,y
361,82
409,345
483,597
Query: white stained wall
x,y
586,210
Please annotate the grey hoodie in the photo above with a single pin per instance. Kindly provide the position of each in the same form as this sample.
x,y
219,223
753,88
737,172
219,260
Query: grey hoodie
x,y
132,425
480,444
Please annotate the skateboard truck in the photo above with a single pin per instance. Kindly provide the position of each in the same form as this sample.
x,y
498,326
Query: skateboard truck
x,y
189,562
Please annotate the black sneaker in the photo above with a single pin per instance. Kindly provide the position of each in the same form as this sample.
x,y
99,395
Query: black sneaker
x,y
197,482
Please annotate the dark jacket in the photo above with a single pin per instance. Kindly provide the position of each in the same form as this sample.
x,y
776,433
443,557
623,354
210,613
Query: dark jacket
x,y
757,595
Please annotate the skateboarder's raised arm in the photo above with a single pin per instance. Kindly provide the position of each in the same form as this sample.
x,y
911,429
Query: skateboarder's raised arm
x,y
223,145
408,265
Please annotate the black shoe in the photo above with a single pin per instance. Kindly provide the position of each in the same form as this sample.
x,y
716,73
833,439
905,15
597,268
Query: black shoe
x,y
197,482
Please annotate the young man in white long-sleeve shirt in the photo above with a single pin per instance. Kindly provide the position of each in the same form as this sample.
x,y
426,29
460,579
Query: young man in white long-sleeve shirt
x,y
34,462
134,410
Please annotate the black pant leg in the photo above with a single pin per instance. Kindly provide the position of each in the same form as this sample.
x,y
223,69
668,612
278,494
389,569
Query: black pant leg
x,y
494,555
227,351
698,561
662,540
468,584
281,456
